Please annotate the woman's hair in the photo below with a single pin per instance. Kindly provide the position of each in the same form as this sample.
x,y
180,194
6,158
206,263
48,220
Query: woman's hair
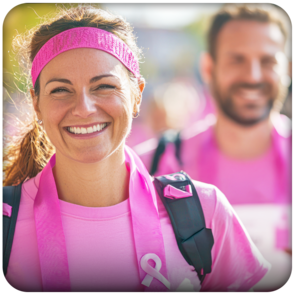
x,y
28,153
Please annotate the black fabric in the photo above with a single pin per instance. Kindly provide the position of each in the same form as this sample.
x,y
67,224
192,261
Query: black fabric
x,y
170,136
194,240
11,196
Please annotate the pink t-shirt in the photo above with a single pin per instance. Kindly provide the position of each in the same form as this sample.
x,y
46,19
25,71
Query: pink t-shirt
x,y
262,180
102,257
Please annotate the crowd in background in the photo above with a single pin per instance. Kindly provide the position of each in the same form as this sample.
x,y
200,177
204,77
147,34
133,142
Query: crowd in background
x,y
178,108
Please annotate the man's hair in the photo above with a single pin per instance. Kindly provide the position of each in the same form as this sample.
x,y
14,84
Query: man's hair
x,y
242,12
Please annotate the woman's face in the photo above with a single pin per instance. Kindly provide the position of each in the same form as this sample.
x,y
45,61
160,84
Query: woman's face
x,y
86,104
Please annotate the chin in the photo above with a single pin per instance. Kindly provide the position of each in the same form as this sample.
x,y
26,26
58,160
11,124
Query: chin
x,y
249,121
89,157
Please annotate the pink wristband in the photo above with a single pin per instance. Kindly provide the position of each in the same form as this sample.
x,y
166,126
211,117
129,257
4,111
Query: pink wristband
x,y
84,37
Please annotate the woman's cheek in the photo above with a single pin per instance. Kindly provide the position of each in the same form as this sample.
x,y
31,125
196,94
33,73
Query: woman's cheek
x,y
52,120
122,115
122,103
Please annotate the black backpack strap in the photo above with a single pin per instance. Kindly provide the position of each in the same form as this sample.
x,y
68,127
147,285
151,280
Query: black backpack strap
x,y
194,240
169,136
11,196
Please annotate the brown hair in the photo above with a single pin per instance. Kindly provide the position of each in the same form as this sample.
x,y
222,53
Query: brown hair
x,y
29,152
241,12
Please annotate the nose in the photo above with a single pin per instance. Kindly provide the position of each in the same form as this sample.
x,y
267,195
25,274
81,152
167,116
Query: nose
x,y
254,72
85,106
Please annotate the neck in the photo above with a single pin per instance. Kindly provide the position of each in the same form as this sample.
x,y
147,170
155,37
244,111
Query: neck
x,y
101,184
242,142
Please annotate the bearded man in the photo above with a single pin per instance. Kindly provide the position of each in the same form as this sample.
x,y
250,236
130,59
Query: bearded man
x,y
246,150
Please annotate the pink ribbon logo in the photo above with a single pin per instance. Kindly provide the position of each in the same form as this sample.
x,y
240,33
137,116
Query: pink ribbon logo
x,y
152,272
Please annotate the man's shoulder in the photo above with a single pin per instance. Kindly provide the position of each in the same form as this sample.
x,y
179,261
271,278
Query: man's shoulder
x,y
282,125
200,130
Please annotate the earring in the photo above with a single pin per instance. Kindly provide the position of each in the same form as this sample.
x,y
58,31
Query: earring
x,y
39,122
136,115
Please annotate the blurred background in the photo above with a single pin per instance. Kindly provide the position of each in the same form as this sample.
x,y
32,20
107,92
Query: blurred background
x,y
172,38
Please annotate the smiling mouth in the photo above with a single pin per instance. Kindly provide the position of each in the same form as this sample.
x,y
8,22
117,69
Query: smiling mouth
x,y
251,94
87,130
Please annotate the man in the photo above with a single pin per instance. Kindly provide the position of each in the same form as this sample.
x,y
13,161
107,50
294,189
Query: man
x,y
246,151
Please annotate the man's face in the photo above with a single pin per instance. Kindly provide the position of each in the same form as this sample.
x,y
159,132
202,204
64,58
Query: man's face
x,y
247,71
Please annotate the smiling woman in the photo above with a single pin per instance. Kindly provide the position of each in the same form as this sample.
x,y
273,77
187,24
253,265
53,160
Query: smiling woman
x,y
28,155
89,216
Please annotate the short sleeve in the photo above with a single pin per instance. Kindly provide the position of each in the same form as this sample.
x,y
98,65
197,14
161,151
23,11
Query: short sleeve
x,y
237,264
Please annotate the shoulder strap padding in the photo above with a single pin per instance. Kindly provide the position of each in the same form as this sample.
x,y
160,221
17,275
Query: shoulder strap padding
x,y
194,240
11,196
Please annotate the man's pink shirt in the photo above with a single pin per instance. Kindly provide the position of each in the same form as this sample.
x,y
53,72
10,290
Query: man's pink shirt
x,y
254,181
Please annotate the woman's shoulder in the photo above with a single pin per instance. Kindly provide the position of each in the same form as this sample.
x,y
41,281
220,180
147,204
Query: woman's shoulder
x,y
30,187
212,199
28,195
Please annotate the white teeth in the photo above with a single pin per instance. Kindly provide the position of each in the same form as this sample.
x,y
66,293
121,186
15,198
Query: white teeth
x,y
250,93
88,130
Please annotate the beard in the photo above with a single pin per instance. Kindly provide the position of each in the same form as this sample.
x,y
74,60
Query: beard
x,y
226,102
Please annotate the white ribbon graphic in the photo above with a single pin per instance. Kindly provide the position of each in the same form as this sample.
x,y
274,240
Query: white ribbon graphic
x,y
152,272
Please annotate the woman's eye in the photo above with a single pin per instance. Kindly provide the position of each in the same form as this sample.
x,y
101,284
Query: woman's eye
x,y
105,86
59,90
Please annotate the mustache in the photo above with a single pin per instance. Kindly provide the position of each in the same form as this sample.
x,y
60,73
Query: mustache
x,y
257,86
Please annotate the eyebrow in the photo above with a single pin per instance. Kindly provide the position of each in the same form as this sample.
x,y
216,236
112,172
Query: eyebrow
x,y
92,80
231,53
96,78
59,80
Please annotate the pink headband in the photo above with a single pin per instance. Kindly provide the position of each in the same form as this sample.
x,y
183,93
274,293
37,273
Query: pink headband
x,y
84,37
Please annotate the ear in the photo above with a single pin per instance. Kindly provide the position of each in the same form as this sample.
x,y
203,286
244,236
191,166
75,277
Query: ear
x,y
138,99
35,104
206,67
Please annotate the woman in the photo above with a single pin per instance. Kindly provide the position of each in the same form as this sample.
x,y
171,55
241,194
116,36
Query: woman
x,y
89,216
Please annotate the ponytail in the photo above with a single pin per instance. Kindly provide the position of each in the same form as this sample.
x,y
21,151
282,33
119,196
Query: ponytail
x,y
27,155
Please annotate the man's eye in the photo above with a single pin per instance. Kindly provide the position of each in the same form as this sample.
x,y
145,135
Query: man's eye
x,y
237,60
269,61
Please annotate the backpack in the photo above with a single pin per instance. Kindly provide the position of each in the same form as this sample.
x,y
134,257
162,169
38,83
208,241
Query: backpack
x,y
169,136
194,240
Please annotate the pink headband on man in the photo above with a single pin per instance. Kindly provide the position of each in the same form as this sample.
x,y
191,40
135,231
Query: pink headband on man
x,y
84,37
